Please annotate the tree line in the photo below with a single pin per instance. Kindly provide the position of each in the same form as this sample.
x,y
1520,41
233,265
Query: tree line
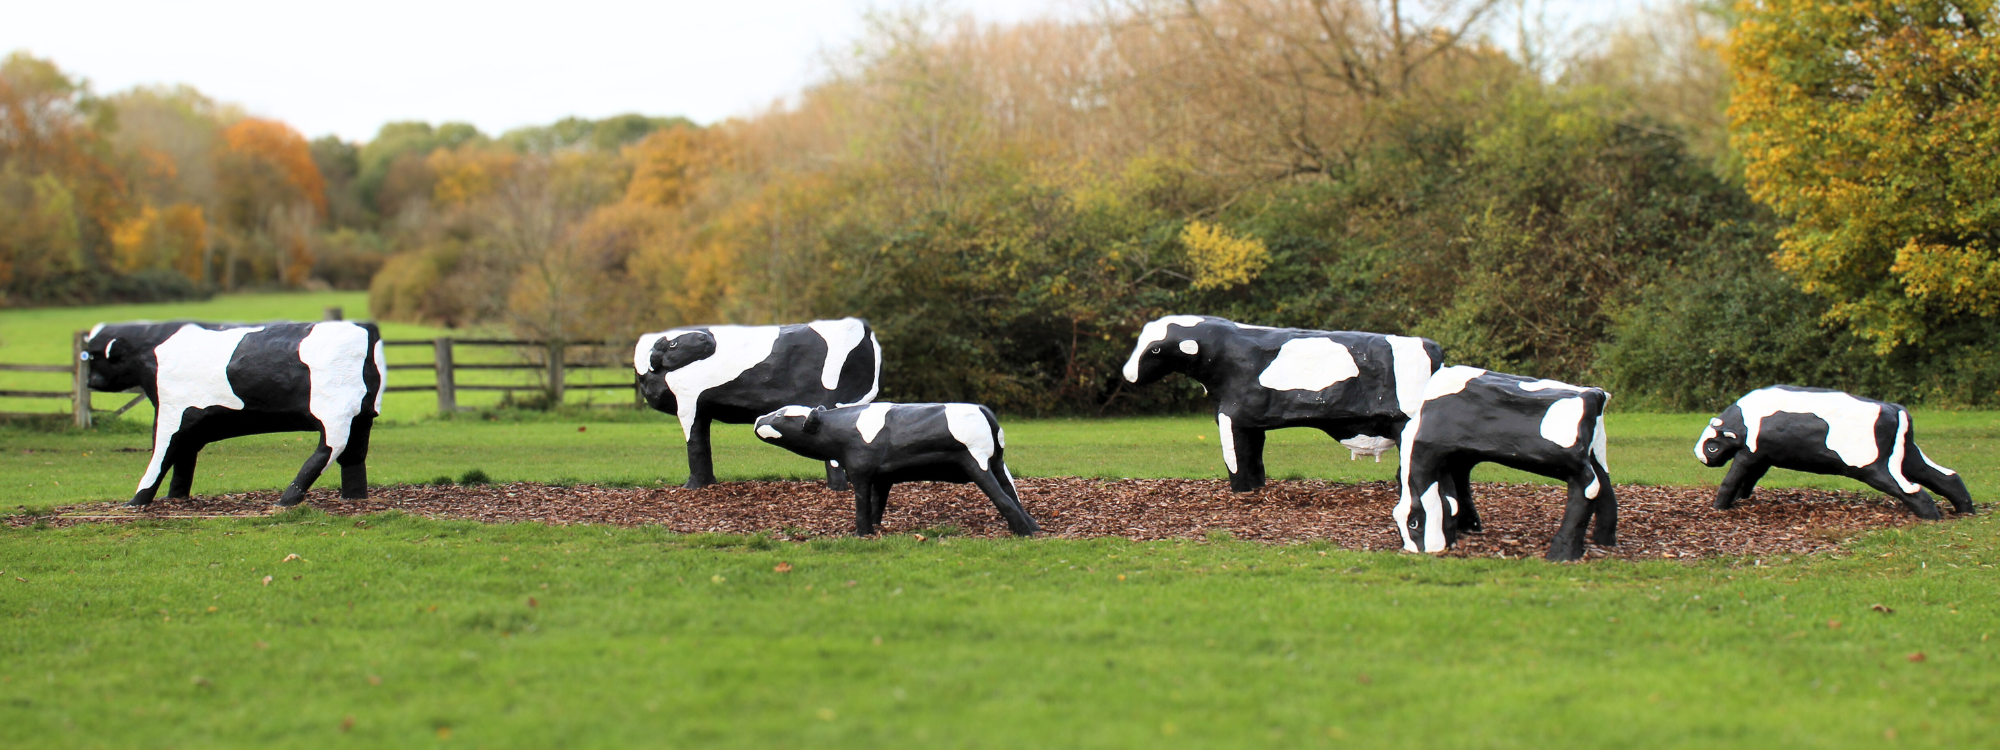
x,y
1700,201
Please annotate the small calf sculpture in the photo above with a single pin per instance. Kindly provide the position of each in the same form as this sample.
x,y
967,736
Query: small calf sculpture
x,y
1352,385
880,444
1825,432
1471,416
211,382
734,374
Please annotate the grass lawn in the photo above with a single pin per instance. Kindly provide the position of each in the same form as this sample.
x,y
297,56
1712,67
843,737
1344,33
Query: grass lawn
x,y
403,632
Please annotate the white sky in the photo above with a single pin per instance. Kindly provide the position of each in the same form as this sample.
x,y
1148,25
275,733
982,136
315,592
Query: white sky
x,y
347,67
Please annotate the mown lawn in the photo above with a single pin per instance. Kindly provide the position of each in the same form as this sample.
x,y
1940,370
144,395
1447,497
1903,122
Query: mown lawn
x,y
393,631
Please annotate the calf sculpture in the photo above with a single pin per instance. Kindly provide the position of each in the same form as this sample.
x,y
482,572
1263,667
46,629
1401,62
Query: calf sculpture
x,y
880,445
1825,432
1353,386
734,374
1471,416
211,382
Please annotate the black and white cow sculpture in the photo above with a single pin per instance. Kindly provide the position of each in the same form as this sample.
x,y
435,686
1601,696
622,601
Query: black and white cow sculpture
x,y
212,382
734,374
1825,432
1471,416
1360,388
882,444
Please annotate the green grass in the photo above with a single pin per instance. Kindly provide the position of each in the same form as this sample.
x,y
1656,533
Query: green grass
x,y
394,631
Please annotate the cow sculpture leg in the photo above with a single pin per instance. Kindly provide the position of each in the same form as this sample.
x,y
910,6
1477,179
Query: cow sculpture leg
x,y
1741,480
1004,496
295,493
183,481
1918,502
167,455
701,463
354,461
1605,508
1460,475
1243,454
1942,481
871,500
836,478
1568,544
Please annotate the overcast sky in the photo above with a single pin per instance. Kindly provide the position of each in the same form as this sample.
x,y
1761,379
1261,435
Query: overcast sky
x,y
348,67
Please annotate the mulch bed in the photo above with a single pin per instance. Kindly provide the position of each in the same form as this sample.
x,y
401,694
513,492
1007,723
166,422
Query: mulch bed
x,y
1654,522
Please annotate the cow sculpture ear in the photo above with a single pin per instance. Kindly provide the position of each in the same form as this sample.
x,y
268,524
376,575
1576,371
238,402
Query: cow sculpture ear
x,y
812,421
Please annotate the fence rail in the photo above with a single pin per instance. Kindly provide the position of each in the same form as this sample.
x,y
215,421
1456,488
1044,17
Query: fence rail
x,y
555,365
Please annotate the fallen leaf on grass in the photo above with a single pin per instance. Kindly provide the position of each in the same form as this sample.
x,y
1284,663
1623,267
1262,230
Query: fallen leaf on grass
x,y
289,558
267,580
1882,609
783,567
1916,657
346,724
532,603
1833,624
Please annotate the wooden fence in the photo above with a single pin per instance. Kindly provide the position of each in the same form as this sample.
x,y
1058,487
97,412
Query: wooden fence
x,y
555,364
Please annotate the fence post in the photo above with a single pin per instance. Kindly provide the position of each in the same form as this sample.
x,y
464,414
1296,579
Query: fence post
x,y
80,395
555,374
334,313
447,382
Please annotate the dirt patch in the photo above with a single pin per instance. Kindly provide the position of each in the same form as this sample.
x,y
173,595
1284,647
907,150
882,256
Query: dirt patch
x,y
1654,522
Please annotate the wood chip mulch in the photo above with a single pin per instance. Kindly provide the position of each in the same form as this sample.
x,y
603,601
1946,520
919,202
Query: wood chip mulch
x,y
1654,522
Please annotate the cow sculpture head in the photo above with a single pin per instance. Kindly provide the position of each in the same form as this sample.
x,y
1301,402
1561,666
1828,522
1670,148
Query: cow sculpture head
x,y
659,354
120,356
796,429
1168,345
1723,437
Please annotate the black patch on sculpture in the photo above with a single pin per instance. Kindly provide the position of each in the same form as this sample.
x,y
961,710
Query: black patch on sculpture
x,y
1494,420
1798,441
789,375
915,444
265,373
1230,359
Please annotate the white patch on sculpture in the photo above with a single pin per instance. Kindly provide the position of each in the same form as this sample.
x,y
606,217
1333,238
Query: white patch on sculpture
x,y
1599,446
871,420
1546,384
1412,369
94,331
335,354
1152,333
767,431
1403,465
642,354
795,411
1309,364
737,349
1700,454
875,385
1450,380
107,347
382,370
1934,465
1228,441
841,337
1896,454
1562,422
968,424
1190,347
1434,521
1367,445
193,374
1850,422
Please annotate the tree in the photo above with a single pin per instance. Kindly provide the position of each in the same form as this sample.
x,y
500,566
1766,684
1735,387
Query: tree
x,y
272,196
1874,126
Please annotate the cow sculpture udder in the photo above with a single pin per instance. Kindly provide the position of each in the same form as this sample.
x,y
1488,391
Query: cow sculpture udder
x,y
1359,388
735,374
212,382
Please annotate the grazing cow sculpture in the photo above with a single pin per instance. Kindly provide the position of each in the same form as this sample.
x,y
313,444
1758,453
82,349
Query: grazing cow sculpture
x,y
1471,416
1825,432
1360,388
882,444
211,382
734,374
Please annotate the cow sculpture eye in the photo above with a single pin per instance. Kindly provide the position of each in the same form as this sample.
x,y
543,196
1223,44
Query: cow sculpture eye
x,y
672,344
1156,350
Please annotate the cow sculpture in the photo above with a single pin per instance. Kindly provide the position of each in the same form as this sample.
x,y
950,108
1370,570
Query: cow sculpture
x,y
879,445
734,374
1825,432
212,382
1471,416
1359,388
